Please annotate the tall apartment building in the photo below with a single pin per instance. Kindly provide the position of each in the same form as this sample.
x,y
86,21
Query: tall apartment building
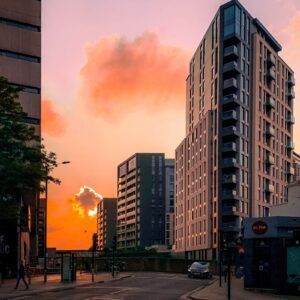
x,y
20,63
141,201
106,222
236,158
169,198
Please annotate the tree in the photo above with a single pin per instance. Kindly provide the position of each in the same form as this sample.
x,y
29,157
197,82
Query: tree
x,y
24,162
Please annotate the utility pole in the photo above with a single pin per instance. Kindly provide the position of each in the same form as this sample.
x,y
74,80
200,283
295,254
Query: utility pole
x,y
93,255
45,227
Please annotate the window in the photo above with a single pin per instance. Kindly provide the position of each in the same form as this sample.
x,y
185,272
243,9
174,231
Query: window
x,y
20,24
20,56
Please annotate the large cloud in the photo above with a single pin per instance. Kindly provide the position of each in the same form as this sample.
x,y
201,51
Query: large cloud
x,y
85,202
53,123
122,75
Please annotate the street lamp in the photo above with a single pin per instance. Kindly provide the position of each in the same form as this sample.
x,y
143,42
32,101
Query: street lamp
x,y
45,218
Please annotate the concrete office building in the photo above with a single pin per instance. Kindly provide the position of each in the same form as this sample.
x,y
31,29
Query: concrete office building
x,y
20,64
106,222
141,201
236,159
169,196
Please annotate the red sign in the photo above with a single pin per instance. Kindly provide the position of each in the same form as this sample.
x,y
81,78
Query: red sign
x,y
259,227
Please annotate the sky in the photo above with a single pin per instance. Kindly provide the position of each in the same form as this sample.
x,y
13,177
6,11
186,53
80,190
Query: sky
x,y
113,84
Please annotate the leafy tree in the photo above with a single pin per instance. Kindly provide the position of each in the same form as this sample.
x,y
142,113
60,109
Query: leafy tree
x,y
24,163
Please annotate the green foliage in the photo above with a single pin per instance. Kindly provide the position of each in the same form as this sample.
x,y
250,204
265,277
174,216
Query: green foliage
x,y
24,162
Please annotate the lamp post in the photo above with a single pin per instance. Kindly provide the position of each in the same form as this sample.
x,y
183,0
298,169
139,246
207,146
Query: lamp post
x,y
45,219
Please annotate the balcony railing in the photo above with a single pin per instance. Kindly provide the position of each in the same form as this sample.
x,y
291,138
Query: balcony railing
x,y
229,179
230,131
290,119
230,68
291,80
230,101
231,52
269,188
230,210
271,75
230,226
270,103
270,160
270,131
291,94
230,85
229,147
290,145
290,170
229,115
229,163
271,61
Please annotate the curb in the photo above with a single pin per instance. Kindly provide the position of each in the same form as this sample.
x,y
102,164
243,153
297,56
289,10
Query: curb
x,y
189,295
57,289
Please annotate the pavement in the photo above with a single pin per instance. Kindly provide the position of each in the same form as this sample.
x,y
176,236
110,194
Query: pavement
x,y
54,283
215,292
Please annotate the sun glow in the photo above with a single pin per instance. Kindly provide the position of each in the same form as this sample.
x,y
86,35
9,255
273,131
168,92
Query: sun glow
x,y
92,212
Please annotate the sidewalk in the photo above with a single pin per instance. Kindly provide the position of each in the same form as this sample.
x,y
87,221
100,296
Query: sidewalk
x,y
38,286
214,292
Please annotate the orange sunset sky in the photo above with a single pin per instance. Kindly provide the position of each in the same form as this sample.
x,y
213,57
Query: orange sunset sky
x,y
113,82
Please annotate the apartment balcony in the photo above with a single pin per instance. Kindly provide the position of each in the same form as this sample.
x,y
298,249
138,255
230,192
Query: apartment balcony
x,y
231,39
231,53
290,119
270,160
229,194
230,101
271,75
228,210
229,148
229,163
230,131
270,131
291,80
230,69
229,179
269,188
230,86
230,227
291,94
290,170
230,115
290,145
271,61
270,103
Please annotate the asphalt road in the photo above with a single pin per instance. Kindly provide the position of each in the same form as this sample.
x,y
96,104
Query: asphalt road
x,y
154,286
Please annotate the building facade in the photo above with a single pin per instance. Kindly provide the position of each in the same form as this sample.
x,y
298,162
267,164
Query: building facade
x,y
141,201
236,159
169,196
296,165
291,208
106,222
20,64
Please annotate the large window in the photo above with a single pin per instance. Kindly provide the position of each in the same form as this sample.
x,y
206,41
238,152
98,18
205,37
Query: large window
x,y
232,20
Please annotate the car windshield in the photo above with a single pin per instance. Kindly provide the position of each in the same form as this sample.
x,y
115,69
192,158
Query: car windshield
x,y
200,264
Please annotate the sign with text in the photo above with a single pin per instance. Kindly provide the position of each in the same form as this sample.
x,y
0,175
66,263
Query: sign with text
x,y
259,227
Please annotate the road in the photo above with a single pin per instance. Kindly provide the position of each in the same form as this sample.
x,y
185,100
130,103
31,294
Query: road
x,y
154,286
